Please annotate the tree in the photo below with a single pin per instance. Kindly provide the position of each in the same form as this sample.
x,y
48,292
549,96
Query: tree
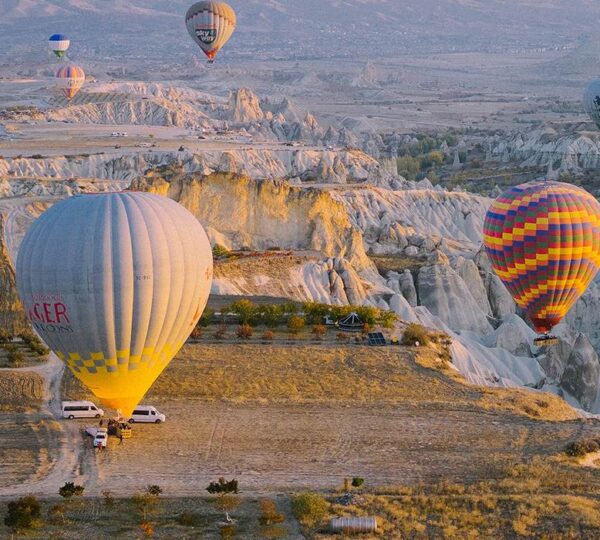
x,y
296,323
70,490
23,513
244,331
154,490
244,309
224,490
358,482
388,318
319,331
309,508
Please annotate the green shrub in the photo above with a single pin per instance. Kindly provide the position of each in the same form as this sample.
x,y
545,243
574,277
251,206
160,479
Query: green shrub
x,y
23,513
415,333
309,508
220,251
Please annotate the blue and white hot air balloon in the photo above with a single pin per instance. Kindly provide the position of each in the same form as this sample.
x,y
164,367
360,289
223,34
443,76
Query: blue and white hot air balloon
x,y
59,43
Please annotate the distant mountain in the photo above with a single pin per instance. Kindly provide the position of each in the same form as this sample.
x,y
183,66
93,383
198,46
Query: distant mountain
x,y
307,28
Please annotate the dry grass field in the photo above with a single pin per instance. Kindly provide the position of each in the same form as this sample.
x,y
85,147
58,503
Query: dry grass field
x,y
441,459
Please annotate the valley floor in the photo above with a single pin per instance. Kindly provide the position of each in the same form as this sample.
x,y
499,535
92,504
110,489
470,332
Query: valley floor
x,y
284,419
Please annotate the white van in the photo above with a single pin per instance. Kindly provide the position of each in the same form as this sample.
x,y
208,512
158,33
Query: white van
x,y
147,414
80,409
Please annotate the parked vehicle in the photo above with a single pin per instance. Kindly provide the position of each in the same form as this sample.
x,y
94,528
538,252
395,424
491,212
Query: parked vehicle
x,y
147,414
80,409
99,436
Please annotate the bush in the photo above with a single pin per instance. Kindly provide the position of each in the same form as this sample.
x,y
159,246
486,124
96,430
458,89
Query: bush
x,y
57,513
342,337
415,333
296,323
23,513
221,332
309,508
268,513
268,336
109,500
197,332
186,519
15,358
69,490
358,482
319,331
244,331
583,447
220,251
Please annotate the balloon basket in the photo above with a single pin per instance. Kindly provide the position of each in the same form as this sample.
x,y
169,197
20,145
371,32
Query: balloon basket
x,y
546,341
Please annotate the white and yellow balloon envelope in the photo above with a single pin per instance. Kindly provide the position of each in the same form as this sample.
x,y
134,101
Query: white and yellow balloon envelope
x,y
114,284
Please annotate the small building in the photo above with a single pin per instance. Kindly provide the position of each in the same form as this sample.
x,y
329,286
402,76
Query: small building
x,y
348,525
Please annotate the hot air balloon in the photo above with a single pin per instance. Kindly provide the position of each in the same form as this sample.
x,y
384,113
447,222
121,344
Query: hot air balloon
x,y
59,43
70,80
591,101
543,239
210,24
114,284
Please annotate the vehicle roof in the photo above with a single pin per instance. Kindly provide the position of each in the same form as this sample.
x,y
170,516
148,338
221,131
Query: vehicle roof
x,y
144,407
81,402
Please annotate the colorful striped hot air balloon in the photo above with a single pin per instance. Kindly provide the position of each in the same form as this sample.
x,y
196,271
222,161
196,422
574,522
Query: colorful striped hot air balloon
x,y
543,239
114,284
210,24
70,80
59,43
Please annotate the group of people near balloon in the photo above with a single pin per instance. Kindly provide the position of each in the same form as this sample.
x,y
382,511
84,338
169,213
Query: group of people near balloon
x,y
115,283
209,23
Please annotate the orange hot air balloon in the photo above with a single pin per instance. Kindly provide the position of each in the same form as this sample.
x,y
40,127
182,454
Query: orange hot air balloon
x,y
543,239
70,80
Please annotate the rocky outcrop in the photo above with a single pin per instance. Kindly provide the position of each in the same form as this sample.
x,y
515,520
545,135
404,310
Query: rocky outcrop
x,y
307,165
264,214
446,295
581,377
12,314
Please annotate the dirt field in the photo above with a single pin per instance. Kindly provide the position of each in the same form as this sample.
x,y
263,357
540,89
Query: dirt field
x,y
283,419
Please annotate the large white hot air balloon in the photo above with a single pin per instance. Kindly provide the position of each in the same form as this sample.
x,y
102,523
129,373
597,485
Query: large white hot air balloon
x,y
114,284
210,24
591,101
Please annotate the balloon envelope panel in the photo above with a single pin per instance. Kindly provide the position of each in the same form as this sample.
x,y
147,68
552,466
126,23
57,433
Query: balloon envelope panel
x,y
114,284
543,239
211,25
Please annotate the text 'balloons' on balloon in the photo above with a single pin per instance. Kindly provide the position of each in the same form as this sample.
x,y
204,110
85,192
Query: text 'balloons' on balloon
x,y
543,239
59,44
591,101
210,24
114,284
70,79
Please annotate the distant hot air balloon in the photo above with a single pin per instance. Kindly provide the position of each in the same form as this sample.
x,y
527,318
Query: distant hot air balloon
x,y
59,43
543,239
70,80
210,24
114,284
591,101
